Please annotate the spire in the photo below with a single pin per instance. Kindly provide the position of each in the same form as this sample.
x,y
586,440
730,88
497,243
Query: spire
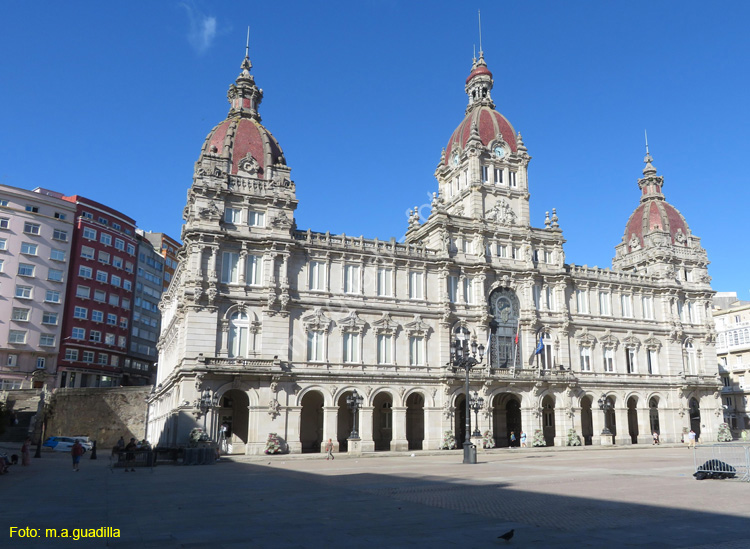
x,y
650,184
479,84
244,96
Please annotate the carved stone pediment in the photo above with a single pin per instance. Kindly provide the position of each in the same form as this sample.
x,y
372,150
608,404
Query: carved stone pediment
x,y
316,321
585,339
417,327
631,341
248,165
609,340
352,323
385,325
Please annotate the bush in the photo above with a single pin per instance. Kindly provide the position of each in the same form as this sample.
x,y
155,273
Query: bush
x,y
449,441
725,435
488,441
273,446
538,438
573,438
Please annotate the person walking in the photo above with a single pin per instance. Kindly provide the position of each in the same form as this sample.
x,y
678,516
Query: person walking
x,y
76,451
656,437
26,453
512,439
130,455
329,449
691,439
523,439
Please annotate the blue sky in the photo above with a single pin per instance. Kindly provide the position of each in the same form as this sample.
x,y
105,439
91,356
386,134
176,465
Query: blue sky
x,y
113,101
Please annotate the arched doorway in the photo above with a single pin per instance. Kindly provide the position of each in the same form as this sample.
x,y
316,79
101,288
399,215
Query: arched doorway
x,y
653,415
548,420
460,419
695,417
415,421
633,420
505,350
382,421
609,417
587,421
506,418
234,413
345,422
311,422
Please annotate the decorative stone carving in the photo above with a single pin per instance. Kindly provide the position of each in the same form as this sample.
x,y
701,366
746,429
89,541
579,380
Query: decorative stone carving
x,y
249,165
274,408
501,213
317,321
281,221
417,327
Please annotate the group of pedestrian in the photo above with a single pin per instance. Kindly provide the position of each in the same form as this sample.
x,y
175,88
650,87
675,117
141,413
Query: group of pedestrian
x,y
513,439
129,450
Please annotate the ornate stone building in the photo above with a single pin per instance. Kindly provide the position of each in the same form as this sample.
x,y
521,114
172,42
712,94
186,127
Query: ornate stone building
x,y
274,326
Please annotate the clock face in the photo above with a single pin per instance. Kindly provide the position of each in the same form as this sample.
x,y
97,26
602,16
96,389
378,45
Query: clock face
x,y
455,160
499,151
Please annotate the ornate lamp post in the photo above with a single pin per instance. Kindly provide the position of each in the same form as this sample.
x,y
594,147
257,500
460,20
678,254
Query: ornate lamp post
x,y
605,405
476,404
461,358
354,401
205,403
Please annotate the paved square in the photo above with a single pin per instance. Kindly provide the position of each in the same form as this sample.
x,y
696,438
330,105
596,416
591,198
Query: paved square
x,y
619,497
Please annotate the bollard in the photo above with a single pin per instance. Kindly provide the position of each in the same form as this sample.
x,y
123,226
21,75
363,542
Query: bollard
x,y
93,451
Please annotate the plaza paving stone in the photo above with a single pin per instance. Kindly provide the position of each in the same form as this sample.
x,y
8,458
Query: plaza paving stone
x,y
638,496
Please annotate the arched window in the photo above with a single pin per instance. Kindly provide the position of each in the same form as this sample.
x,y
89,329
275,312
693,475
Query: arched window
x,y
239,330
691,364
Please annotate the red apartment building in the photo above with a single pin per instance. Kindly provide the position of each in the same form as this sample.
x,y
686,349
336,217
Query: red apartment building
x,y
97,315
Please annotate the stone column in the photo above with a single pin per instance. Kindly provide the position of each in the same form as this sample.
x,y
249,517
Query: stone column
x,y
529,424
399,442
294,423
433,432
243,266
644,425
597,422
562,424
621,420
330,428
224,344
365,428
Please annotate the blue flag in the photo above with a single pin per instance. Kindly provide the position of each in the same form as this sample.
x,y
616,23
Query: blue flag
x,y
540,347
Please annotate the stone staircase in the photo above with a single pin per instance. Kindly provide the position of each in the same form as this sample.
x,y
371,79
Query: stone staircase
x,y
24,403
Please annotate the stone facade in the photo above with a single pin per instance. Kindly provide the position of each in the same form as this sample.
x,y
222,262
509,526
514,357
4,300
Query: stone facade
x,y
733,353
268,329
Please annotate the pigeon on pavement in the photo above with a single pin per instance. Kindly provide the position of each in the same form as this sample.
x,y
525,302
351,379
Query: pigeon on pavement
x,y
507,535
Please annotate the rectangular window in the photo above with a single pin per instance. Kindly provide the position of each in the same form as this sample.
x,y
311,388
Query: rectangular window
x,y
62,216
100,295
12,360
117,262
604,304
80,312
55,275
316,275
126,304
351,279
512,178
416,285
83,292
109,339
20,315
485,174
3,244
105,239
609,360
115,280
47,340
112,319
31,228
28,248
23,292
121,341
52,296
85,272
127,285
233,215
57,255
627,305
537,296
120,244
78,333
315,346
89,233
692,313
57,234
115,361
32,209
384,349
351,347
653,364
102,220
547,257
104,258
71,354
469,290
230,267
452,288
256,219
630,363
103,359
502,251
416,351
585,359
49,318
498,176
647,303
124,321
3,202
16,336
131,249
95,336
4,222
114,300
25,269
549,295
385,281
87,252
88,357
254,276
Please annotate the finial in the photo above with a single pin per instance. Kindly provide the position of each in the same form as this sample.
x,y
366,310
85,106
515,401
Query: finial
x,y
555,219
247,44
645,132
547,221
479,15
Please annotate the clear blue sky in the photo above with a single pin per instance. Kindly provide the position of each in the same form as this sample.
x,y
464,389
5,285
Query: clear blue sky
x,y
113,101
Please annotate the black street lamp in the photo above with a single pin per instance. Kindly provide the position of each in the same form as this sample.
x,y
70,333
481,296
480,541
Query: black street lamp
x,y
476,404
205,403
605,405
461,358
354,401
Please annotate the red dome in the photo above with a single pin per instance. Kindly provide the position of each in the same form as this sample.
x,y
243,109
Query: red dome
x,y
479,69
490,124
656,215
236,137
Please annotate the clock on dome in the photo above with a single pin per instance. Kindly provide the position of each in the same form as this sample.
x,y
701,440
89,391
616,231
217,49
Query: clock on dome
x,y
455,160
499,151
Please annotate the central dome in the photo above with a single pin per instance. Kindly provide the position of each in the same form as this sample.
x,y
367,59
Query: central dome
x,y
481,113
